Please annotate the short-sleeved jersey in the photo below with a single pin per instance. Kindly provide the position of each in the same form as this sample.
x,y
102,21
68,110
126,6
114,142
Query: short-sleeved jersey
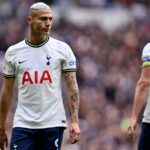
x,y
146,62
38,71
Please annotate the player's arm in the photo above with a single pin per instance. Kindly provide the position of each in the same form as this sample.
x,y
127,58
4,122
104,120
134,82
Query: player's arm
x,y
73,97
5,102
140,99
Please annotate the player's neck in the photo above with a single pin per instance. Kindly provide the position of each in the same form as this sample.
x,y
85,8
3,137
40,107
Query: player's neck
x,y
36,40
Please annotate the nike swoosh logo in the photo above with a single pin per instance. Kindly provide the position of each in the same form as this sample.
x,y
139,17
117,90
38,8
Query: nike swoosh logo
x,y
20,62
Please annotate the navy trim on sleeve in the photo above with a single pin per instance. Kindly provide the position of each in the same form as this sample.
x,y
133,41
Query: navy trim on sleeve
x,y
8,76
69,70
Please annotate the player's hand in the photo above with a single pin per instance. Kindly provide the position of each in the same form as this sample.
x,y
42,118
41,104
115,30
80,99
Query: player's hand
x,y
3,139
75,132
131,129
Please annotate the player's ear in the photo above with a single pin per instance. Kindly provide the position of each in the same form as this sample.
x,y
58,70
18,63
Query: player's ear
x,y
29,19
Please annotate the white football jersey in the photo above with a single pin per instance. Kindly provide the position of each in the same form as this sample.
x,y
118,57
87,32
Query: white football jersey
x,y
146,62
38,71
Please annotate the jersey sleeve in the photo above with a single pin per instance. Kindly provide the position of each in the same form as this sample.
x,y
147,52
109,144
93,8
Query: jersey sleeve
x,y
146,56
69,62
8,69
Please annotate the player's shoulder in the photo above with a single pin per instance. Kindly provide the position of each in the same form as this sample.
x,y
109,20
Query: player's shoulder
x,y
147,47
12,50
57,41
14,47
146,52
58,44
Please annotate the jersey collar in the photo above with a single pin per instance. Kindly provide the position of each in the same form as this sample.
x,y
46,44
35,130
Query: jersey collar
x,y
38,45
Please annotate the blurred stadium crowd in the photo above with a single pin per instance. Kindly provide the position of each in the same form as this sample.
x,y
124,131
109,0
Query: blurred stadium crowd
x,y
109,64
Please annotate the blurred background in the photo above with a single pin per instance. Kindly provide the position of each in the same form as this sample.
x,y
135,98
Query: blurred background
x,y
107,37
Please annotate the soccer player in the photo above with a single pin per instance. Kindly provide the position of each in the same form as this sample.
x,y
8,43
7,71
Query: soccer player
x,y
142,97
37,64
